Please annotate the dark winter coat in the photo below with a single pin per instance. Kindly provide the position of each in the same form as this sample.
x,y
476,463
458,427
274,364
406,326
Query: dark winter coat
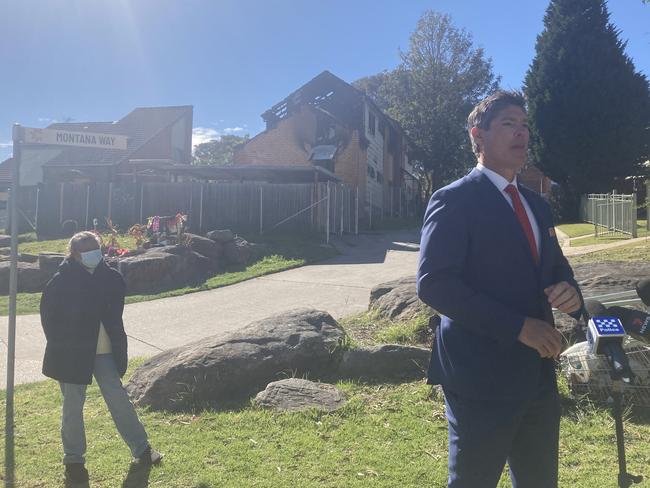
x,y
72,306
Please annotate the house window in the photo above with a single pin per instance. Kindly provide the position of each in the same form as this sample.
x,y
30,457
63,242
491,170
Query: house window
x,y
371,123
371,172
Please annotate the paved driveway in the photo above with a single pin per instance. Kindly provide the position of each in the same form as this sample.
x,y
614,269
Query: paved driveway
x,y
340,286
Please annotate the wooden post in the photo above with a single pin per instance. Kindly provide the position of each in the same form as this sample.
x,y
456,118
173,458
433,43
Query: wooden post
x,y
61,205
87,204
356,213
38,196
261,210
370,215
327,233
141,201
201,209
335,205
342,200
110,201
400,202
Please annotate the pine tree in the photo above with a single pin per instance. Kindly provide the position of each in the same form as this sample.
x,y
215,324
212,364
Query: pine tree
x,y
589,108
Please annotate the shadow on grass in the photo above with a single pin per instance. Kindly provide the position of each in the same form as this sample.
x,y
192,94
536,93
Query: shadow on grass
x,y
76,484
577,408
137,476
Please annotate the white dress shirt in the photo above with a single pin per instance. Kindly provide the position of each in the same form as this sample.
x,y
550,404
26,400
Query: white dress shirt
x,y
500,182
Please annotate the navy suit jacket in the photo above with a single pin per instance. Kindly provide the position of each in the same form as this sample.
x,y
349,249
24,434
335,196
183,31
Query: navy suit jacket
x,y
477,271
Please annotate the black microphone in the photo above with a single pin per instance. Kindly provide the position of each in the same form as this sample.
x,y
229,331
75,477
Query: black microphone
x,y
643,291
635,322
594,308
605,334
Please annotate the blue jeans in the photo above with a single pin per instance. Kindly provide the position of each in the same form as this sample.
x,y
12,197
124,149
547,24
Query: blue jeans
x,y
126,420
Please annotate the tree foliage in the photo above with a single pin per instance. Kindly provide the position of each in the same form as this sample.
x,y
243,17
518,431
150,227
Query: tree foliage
x,y
219,151
589,109
439,80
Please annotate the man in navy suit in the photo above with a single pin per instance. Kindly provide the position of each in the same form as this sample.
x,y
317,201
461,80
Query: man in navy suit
x,y
491,265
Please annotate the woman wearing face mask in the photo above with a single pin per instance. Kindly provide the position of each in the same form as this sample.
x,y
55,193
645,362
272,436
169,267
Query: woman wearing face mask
x,y
81,315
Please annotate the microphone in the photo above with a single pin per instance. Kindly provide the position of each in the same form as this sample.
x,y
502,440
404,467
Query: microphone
x,y
635,322
593,308
643,291
605,335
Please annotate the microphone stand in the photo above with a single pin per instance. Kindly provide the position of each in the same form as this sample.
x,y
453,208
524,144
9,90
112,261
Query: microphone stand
x,y
625,479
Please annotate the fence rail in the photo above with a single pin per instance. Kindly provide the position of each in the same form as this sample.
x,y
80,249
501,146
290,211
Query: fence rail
x,y
59,209
612,214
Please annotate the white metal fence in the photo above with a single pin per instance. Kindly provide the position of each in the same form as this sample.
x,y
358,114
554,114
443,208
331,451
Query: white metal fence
x,y
612,214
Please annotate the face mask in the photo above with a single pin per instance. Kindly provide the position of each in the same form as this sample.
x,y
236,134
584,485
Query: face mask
x,y
90,259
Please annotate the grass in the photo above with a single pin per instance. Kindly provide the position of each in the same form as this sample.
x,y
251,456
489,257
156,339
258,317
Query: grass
x,y
577,230
584,234
369,328
386,436
282,252
61,245
636,251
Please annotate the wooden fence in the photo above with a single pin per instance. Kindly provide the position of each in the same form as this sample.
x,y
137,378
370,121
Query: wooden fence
x,y
55,210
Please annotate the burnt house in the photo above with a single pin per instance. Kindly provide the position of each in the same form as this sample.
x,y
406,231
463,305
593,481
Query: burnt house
x,y
157,138
330,124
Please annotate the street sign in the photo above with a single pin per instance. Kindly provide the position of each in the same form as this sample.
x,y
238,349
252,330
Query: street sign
x,y
70,138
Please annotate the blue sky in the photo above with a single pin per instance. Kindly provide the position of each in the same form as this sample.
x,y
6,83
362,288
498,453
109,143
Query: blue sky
x,y
96,60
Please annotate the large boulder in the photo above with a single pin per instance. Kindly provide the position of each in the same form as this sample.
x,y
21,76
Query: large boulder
x,y
5,241
30,278
397,300
221,236
232,366
388,362
49,261
204,246
295,394
237,251
157,269
28,258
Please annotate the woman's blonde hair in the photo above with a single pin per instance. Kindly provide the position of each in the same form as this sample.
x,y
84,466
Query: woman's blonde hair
x,y
79,237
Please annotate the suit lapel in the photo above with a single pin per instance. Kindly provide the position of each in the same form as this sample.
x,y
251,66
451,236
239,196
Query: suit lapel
x,y
492,201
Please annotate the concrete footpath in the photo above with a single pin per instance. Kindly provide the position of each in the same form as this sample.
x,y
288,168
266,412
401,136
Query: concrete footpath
x,y
340,286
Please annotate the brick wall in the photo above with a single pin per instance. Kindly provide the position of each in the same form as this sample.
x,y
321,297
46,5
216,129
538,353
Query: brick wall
x,y
531,177
288,143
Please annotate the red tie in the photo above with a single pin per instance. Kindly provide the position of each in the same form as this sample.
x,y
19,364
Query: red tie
x,y
520,211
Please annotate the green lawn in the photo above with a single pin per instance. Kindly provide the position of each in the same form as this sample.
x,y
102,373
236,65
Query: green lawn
x,y
636,251
61,245
577,230
585,233
387,435
367,328
282,253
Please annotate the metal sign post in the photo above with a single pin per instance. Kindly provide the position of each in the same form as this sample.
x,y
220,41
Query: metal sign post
x,y
29,135
11,334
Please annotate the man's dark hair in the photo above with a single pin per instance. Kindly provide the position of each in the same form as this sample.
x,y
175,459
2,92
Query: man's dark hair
x,y
488,109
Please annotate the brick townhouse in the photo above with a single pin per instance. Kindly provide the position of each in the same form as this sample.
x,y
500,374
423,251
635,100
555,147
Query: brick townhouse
x,y
331,124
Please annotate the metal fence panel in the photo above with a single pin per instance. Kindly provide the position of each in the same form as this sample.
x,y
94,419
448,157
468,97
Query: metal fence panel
x,y
612,214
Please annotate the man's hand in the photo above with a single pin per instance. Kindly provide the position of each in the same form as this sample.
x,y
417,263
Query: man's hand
x,y
563,296
542,337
